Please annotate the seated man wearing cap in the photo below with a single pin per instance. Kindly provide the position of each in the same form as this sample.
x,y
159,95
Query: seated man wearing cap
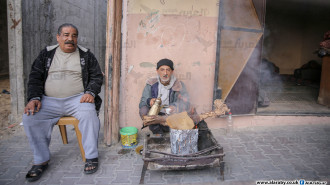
x,y
172,92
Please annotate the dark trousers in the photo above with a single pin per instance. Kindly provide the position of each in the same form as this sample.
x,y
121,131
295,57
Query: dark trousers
x,y
154,128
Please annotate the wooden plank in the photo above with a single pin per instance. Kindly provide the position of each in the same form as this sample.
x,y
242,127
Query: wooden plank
x,y
108,54
112,70
116,71
324,94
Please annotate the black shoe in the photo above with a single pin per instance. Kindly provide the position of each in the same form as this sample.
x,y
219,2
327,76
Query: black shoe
x,y
36,172
94,163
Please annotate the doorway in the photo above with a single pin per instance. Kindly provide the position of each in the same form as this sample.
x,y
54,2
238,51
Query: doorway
x,y
4,63
290,70
5,99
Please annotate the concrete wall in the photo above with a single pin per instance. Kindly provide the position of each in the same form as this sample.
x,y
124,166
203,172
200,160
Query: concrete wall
x,y
293,32
183,31
41,19
4,63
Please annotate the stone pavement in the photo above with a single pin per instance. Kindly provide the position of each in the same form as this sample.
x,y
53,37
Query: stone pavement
x,y
278,153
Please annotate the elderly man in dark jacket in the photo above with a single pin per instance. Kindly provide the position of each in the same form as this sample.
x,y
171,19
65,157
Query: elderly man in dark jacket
x,y
172,92
65,80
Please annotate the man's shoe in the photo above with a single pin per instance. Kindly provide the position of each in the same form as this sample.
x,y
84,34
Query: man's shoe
x,y
91,165
36,172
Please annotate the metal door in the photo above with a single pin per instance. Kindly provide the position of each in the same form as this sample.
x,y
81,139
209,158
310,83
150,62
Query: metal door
x,y
240,31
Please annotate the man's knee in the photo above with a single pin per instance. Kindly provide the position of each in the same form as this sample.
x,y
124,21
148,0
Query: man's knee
x,y
29,120
143,111
86,111
87,107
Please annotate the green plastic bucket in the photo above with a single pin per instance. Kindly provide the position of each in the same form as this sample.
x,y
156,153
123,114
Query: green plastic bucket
x,y
128,137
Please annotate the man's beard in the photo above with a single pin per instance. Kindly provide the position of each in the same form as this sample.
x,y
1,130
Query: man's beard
x,y
165,82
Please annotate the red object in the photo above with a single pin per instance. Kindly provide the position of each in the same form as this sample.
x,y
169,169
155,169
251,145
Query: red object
x,y
326,40
12,125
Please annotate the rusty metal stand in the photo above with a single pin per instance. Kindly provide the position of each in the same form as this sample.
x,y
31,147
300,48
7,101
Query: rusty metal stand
x,y
208,157
145,154
222,169
143,173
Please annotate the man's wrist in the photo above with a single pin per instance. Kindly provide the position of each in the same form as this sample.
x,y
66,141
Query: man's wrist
x,y
35,98
91,93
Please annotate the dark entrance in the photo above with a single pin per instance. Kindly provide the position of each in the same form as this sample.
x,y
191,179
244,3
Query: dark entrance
x,y
4,63
290,71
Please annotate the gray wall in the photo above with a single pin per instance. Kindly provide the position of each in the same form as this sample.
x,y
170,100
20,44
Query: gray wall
x,y
41,18
4,63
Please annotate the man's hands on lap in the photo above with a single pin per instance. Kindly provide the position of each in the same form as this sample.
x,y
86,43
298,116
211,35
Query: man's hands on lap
x,y
87,98
32,107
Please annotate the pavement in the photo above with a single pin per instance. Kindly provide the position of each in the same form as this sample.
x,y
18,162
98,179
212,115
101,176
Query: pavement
x,y
257,153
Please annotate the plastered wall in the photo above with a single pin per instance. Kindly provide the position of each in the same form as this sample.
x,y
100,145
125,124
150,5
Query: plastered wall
x,y
183,31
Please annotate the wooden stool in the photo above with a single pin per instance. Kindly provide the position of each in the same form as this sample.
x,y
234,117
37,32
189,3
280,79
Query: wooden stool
x,y
71,121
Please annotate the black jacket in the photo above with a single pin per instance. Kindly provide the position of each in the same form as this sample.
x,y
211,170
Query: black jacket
x,y
90,69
